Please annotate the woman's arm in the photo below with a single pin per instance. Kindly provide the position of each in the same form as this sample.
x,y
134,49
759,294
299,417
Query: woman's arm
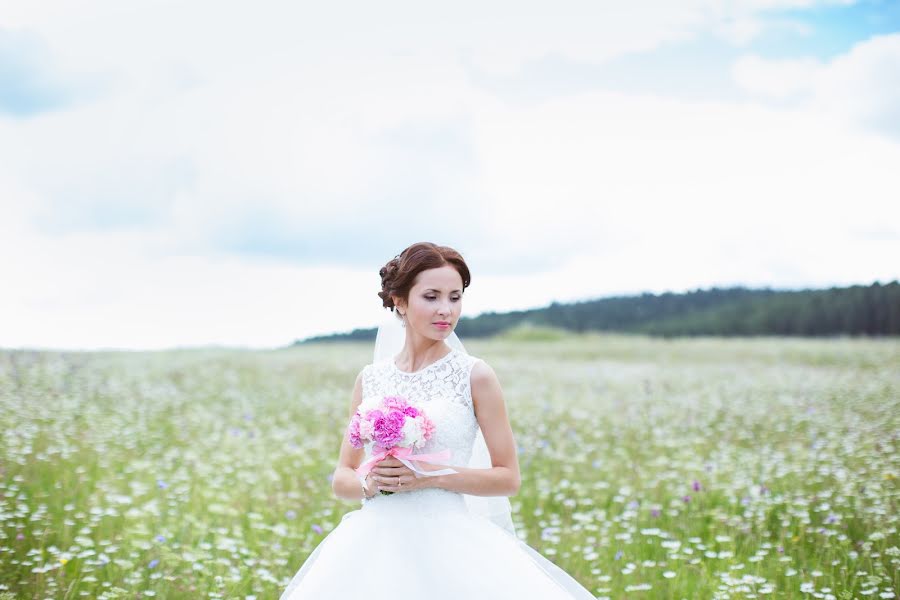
x,y
503,478
344,482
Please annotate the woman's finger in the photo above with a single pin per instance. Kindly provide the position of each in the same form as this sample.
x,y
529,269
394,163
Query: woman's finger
x,y
391,486
394,471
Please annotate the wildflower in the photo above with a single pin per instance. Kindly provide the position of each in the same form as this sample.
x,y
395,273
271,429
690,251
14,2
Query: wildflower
x,y
160,539
153,563
161,484
618,554
687,498
291,514
696,486
317,529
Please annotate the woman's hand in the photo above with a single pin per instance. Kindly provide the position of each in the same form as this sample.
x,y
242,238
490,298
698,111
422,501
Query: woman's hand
x,y
371,489
389,471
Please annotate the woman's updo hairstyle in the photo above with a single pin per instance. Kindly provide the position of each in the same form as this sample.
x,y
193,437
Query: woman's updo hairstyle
x,y
398,275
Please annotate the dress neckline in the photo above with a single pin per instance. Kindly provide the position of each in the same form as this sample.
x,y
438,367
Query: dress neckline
x,y
425,368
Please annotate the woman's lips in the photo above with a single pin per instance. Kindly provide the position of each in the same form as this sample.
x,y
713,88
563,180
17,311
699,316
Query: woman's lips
x,y
442,325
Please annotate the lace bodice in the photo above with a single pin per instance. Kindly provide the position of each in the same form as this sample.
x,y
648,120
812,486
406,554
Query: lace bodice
x,y
443,390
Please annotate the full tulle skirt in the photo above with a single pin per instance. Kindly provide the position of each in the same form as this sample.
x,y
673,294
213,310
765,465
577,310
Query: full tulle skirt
x,y
426,544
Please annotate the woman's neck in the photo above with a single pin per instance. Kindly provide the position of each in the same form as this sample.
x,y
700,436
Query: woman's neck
x,y
417,354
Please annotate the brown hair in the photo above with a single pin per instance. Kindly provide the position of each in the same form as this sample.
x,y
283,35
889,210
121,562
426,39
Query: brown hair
x,y
398,275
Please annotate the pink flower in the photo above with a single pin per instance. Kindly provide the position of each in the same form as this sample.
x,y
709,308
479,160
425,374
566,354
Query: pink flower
x,y
353,432
389,429
427,427
395,402
366,429
391,422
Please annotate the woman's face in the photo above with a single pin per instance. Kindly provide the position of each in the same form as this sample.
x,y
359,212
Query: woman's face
x,y
435,297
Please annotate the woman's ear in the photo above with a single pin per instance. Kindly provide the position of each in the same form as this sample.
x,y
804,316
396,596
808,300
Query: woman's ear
x,y
399,304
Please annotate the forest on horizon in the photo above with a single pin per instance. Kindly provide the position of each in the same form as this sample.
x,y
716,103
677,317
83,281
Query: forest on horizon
x,y
872,310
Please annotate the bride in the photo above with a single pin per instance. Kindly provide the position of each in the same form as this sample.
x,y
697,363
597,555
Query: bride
x,y
426,530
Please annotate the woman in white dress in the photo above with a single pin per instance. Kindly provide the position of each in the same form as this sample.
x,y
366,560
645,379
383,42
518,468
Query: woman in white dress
x,y
438,535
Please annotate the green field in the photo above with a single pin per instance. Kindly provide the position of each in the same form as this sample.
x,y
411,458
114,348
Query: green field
x,y
651,468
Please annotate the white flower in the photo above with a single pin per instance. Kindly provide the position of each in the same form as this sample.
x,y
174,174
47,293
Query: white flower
x,y
412,433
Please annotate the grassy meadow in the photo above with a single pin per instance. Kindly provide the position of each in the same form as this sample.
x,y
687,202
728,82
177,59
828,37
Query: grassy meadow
x,y
651,468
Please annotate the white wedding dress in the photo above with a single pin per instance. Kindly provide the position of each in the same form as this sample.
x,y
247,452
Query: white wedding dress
x,y
425,544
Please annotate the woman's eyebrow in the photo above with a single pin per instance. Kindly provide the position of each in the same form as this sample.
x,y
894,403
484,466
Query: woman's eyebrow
x,y
436,290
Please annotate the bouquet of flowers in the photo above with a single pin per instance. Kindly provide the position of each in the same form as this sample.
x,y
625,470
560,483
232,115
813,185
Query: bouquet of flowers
x,y
396,428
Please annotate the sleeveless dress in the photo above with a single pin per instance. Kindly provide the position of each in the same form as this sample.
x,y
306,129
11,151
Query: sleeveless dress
x,y
425,543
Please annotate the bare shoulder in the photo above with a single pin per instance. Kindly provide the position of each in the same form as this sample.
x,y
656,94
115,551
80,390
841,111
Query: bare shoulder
x,y
483,374
485,384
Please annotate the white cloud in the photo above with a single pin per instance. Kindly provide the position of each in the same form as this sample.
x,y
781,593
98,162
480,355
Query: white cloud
x,y
614,173
345,135
777,79
860,86
624,193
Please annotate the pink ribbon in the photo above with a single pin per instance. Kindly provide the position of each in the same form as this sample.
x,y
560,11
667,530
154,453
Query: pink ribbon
x,y
405,455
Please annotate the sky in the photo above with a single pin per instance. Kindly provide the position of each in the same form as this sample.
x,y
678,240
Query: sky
x,y
196,173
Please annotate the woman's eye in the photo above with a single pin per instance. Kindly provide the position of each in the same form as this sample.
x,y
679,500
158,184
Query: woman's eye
x,y
433,298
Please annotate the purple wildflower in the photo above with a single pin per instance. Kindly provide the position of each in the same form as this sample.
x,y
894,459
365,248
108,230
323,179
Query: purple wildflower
x,y
153,563
317,529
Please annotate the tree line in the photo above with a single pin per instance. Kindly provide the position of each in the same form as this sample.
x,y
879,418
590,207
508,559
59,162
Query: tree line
x,y
872,310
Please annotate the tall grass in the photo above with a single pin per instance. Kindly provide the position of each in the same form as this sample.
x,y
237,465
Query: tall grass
x,y
681,468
